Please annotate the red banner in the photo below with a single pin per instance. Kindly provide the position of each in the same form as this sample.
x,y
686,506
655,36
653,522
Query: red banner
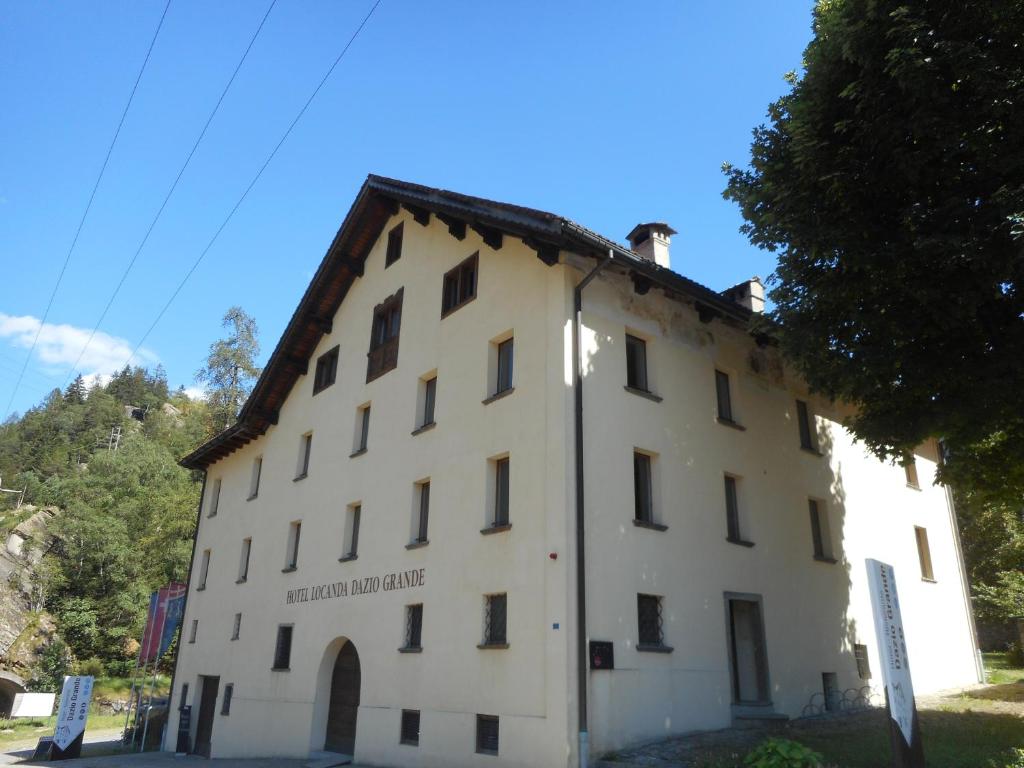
x,y
156,619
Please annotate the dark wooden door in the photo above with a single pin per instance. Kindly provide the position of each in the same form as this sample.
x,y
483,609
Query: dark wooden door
x,y
344,704
207,709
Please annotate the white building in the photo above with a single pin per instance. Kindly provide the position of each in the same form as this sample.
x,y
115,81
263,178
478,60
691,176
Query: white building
x,y
386,559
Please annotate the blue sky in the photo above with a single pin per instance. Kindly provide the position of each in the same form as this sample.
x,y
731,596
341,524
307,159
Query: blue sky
x,y
609,113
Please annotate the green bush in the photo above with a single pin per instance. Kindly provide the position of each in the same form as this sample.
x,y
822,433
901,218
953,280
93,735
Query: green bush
x,y
782,753
91,666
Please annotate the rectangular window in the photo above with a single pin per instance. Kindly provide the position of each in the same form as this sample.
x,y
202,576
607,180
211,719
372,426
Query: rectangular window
x,y
501,492
643,497
732,511
236,630
243,561
410,727
924,553
495,619
830,688
429,396
294,532
724,396
214,500
305,449
860,653
326,370
355,511
636,363
413,625
649,621
422,513
503,382
362,430
184,697
487,734
204,569
254,481
910,468
394,252
459,285
283,647
229,692
384,333
804,422
820,531
194,631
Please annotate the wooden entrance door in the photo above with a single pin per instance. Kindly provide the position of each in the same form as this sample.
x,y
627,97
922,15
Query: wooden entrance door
x,y
344,703
207,709
748,652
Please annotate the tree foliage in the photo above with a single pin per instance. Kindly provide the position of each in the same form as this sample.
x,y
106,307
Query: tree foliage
x,y
890,181
231,371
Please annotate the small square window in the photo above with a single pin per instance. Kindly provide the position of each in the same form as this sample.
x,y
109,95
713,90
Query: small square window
x,y
254,480
487,734
924,553
204,569
649,621
413,626
910,468
305,449
636,363
394,252
214,498
804,424
294,533
410,733
326,370
495,620
243,561
724,395
283,647
459,285
860,653
229,692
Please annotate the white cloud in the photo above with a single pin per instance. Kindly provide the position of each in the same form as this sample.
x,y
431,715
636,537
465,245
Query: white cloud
x,y
195,393
60,345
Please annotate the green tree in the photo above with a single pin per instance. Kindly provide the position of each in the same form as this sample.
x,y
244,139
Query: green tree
x,y
76,391
230,371
890,181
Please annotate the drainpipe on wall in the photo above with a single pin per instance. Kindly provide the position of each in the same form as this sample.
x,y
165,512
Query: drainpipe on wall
x,y
184,609
581,584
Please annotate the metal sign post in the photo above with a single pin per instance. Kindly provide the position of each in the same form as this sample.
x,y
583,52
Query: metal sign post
x,y
69,731
904,731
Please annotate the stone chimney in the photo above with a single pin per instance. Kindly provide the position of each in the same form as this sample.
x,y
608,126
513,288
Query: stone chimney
x,y
749,293
651,241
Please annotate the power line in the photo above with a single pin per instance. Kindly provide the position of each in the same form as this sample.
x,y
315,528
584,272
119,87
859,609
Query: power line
x,y
167,197
252,183
88,206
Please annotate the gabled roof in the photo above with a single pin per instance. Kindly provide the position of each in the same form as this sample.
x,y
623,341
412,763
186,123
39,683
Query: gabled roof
x,y
378,200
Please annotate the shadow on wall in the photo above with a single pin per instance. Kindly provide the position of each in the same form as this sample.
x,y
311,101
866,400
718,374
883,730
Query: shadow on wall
x,y
795,570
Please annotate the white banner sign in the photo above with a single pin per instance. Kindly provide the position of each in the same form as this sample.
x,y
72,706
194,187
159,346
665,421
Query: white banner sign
x,y
892,645
33,704
74,709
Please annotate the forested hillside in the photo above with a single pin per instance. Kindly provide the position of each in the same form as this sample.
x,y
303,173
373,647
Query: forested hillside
x,y
107,459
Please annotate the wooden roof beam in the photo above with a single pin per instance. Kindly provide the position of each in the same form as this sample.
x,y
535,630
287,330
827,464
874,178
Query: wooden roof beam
x,y
420,215
323,324
298,364
456,227
546,252
490,236
641,284
705,313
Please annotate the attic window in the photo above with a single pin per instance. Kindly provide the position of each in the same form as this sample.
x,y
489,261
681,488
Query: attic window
x,y
326,370
387,322
394,246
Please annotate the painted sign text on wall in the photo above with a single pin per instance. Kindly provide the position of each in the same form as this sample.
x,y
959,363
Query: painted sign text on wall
x,y
368,585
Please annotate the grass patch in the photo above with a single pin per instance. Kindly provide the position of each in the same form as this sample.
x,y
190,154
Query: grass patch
x,y
999,670
14,733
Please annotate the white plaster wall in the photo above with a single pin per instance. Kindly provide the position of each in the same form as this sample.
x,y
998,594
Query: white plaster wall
x,y
451,680
814,612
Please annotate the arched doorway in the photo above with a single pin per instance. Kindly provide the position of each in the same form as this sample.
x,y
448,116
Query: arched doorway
x,y
340,733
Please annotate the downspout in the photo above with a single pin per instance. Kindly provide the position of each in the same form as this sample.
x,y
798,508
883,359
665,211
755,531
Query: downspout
x,y
581,573
979,666
184,607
